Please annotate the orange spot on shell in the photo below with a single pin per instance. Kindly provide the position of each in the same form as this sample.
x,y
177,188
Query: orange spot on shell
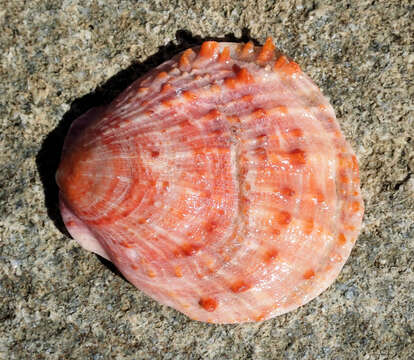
x,y
184,124
270,255
125,244
209,304
344,160
247,98
205,193
297,157
213,114
208,49
292,68
296,132
142,90
245,203
240,286
309,274
259,113
134,267
275,231
167,103
350,227
166,88
284,218
283,109
151,274
267,51
319,197
243,76
178,272
281,62
211,226
288,68
230,83
261,316
185,59
287,192
341,239
165,185
178,213
328,267
161,75
209,263
247,50
308,226
190,96
343,178
261,153
355,167
215,88
233,119
355,206
190,249
224,56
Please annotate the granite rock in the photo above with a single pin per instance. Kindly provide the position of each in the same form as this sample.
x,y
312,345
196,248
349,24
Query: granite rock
x,y
59,58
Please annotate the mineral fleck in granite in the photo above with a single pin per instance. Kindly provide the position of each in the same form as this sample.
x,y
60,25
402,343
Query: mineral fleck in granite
x,y
60,58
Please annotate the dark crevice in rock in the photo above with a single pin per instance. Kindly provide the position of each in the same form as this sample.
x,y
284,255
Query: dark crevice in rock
x,y
402,182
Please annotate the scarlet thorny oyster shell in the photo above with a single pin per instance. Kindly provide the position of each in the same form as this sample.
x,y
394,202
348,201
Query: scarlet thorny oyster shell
x,y
219,184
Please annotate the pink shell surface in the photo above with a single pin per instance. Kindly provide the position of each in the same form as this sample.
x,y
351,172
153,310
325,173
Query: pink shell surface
x,y
219,184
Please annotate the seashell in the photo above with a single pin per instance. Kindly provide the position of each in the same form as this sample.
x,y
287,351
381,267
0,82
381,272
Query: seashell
x,y
219,184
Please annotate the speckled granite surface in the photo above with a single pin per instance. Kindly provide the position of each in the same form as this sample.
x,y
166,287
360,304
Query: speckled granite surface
x,y
60,302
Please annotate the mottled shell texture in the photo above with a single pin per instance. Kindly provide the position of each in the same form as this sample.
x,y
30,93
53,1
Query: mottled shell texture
x,y
219,184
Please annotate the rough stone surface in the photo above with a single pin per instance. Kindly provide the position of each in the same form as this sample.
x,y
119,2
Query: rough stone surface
x,y
59,58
